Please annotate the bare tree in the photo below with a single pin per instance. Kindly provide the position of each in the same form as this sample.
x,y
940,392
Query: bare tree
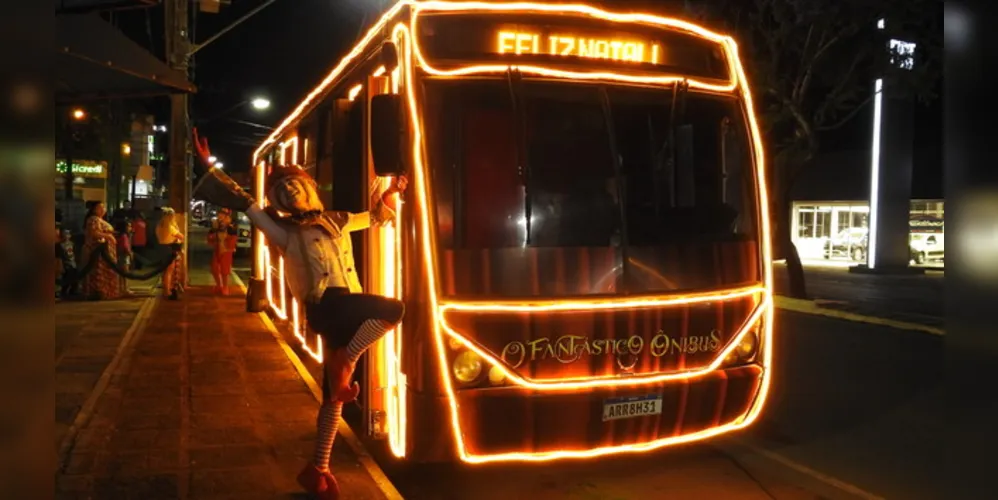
x,y
811,64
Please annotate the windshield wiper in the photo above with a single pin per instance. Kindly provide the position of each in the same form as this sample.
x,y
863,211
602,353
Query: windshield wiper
x,y
522,160
676,111
611,131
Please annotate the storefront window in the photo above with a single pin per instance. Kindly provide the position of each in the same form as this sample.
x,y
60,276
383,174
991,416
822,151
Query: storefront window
x,y
837,231
805,222
822,223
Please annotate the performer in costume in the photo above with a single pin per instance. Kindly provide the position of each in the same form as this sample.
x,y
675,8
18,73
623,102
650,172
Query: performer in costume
x,y
222,238
321,274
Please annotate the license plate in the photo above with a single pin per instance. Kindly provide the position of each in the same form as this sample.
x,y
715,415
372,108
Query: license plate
x,y
637,406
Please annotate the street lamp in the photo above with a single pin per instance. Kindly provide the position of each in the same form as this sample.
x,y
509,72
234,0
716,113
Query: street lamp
x,y
79,114
260,103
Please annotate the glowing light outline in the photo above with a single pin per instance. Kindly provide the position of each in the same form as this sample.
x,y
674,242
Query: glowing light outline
x,y
294,150
634,77
603,381
391,13
400,430
739,83
354,92
429,242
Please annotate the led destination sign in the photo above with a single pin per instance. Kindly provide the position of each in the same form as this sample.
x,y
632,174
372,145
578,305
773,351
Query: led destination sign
x,y
562,44
575,43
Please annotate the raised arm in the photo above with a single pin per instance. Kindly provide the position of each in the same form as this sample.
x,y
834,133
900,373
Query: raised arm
x,y
382,213
272,230
216,186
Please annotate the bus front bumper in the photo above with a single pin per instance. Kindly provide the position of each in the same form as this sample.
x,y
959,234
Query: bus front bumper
x,y
514,423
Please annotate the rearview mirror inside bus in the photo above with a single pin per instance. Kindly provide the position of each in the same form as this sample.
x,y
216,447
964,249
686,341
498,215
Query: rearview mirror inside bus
x,y
386,134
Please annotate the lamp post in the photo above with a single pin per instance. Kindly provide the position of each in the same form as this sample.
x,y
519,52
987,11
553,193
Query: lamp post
x,y
890,173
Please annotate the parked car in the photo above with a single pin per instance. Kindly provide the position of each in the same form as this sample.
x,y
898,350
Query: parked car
x,y
926,246
849,242
923,247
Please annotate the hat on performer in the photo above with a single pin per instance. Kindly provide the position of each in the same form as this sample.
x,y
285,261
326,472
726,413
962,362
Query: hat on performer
x,y
279,173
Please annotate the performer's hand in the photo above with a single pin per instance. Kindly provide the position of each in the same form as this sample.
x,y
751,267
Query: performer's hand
x,y
202,149
401,182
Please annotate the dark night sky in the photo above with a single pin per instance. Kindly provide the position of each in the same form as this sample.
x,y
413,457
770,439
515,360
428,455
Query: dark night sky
x,y
286,49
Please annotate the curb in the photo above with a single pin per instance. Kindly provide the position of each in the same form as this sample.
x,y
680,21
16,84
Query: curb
x,y
810,307
363,456
87,410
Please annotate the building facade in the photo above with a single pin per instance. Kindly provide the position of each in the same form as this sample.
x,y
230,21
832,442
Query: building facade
x,y
830,212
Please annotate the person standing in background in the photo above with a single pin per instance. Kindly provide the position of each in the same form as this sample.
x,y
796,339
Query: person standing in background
x,y
66,257
101,283
125,255
169,234
139,237
222,238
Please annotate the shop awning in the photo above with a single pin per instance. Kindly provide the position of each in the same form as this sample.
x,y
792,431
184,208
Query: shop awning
x,y
96,61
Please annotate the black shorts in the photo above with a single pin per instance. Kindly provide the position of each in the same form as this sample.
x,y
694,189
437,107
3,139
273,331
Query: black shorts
x,y
339,314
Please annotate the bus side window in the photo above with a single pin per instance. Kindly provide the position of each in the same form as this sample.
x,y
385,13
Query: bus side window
x,y
324,153
349,192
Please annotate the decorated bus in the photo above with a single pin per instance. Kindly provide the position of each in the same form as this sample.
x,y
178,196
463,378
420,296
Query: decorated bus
x,y
584,248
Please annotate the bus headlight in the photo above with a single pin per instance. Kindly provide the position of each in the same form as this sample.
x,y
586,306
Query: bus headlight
x,y
746,348
745,351
467,367
496,376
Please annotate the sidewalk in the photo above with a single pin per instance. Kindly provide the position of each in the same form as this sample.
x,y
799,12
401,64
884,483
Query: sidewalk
x,y
204,404
87,338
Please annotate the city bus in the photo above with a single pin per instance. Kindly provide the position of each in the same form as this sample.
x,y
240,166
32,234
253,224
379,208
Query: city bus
x,y
584,247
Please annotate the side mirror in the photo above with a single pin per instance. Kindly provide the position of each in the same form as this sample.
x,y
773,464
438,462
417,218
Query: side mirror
x,y
389,56
386,134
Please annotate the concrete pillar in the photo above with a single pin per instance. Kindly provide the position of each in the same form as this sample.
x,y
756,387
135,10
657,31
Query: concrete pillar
x,y
890,198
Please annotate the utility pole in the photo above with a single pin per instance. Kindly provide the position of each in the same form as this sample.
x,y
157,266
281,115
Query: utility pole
x,y
177,53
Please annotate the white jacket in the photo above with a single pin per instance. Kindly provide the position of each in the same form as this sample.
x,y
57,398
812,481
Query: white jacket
x,y
314,259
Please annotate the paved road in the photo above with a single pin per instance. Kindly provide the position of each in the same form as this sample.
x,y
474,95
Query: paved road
x,y
915,298
855,413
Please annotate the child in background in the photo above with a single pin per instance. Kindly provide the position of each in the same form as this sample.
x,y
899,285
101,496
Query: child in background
x,y
139,237
66,261
125,255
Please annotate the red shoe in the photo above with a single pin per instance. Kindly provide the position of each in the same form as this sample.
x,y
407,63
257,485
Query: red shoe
x,y
320,484
340,369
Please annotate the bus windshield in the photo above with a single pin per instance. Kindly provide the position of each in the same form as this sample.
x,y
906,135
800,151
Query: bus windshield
x,y
565,189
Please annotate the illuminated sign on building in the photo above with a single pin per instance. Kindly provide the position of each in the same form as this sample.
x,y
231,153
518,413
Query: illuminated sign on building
x,y
560,44
903,54
81,169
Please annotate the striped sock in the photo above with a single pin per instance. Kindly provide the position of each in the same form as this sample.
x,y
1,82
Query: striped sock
x,y
328,421
369,333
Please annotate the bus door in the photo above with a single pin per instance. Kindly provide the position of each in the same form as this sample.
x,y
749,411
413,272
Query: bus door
x,y
378,383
